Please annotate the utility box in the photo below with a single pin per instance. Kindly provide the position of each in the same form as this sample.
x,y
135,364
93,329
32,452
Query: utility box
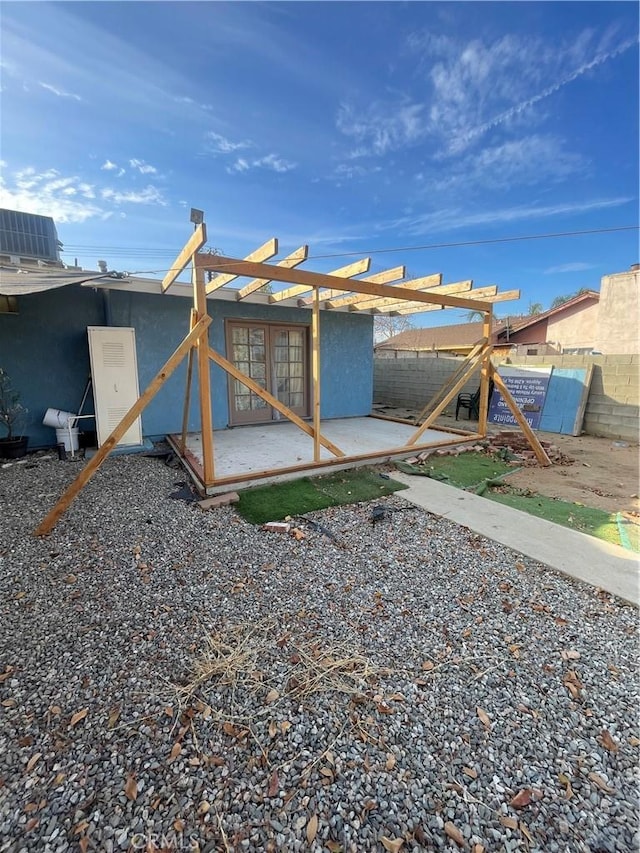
x,y
114,371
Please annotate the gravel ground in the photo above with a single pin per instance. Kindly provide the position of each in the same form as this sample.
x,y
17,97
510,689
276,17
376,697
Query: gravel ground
x,y
409,686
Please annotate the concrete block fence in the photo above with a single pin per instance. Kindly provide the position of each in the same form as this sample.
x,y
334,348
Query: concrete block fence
x,y
613,407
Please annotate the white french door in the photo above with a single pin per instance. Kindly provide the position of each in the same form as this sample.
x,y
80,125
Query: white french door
x,y
276,358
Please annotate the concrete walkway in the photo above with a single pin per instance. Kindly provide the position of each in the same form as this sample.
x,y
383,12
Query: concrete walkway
x,y
586,558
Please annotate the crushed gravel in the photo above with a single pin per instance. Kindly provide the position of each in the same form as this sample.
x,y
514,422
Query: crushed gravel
x,y
410,686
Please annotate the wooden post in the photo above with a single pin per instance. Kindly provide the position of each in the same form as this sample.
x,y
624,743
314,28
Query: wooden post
x,y
187,395
252,385
532,438
484,375
204,377
92,466
315,371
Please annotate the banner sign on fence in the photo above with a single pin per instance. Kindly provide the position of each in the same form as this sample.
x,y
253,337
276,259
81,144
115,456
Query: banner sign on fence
x,y
528,387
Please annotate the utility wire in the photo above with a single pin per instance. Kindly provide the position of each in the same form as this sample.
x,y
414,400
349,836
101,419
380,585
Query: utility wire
x,y
428,246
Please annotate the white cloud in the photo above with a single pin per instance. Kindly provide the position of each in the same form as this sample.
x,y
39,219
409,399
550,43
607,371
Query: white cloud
x,y
219,144
450,219
185,99
60,93
520,162
142,167
108,166
273,162
475,86
64,198
575,266
381,127
149,195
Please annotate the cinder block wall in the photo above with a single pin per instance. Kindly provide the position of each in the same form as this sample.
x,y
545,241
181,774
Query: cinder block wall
x,y
613,405
612,409
413,382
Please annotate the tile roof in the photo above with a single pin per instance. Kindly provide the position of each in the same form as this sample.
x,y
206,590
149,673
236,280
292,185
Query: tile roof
x,y
439,337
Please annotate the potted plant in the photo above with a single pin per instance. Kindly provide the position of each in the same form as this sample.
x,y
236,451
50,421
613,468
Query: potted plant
x,y
13,418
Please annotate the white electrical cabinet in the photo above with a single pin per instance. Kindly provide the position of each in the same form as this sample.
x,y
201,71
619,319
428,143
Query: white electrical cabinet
x,y
114,373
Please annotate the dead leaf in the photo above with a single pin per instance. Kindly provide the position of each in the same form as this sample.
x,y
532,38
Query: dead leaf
x,y
521,799
564,779
454,833
392,844
509,822
204,807
81,827
33,761
607,741
83,844
9,703
470,772
478,848
600,783
78,717
569,654
114,715
572,683
31,824
334,847
285,726
274,784
525,831
428,665
271,696
484,717
312,828
273,728
634,741
179,824
131,787
70,578
515,650
390,762
176,749
31,807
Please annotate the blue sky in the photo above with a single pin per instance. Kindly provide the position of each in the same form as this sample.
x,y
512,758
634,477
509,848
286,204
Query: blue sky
x,y
352,127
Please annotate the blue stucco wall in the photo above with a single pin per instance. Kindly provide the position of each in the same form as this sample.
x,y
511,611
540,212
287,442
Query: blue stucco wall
x,y
44,348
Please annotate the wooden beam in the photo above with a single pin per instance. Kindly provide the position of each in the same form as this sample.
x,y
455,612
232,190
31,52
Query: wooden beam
x,y
292,260
474,305
344,461
423,283
384,277
313,279
451,393
459,287
138,407
204,377
270,399
485,370
355,268
530,435
187,395
315,373
193,245
384,305
263,253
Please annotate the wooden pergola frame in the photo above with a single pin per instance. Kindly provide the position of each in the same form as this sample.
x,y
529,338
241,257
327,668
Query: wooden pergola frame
x,y
337,290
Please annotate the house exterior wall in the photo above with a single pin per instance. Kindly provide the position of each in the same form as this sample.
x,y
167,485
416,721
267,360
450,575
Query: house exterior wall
x,y
575,328
45,351
536,333
617,326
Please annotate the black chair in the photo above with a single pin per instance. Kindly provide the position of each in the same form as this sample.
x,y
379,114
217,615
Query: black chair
x,y
472,402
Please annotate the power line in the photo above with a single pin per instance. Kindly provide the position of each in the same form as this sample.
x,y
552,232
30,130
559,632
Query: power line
x,y
136,251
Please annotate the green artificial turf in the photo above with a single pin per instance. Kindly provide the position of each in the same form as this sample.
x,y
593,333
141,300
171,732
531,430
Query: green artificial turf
x,y
467,469
584,519
272,503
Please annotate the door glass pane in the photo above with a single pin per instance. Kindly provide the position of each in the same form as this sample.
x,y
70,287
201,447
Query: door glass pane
x,y
258,402
240,352
281,353
257,353
296,338
242,402
296,400
259,371
281,339
240,336
256,336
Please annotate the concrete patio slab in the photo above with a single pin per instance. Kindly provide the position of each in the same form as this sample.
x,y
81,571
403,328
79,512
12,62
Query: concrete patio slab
x,y
583,557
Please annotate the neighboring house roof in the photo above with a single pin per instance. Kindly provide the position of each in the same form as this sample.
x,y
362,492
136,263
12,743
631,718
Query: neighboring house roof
x,y
520,323
456,336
